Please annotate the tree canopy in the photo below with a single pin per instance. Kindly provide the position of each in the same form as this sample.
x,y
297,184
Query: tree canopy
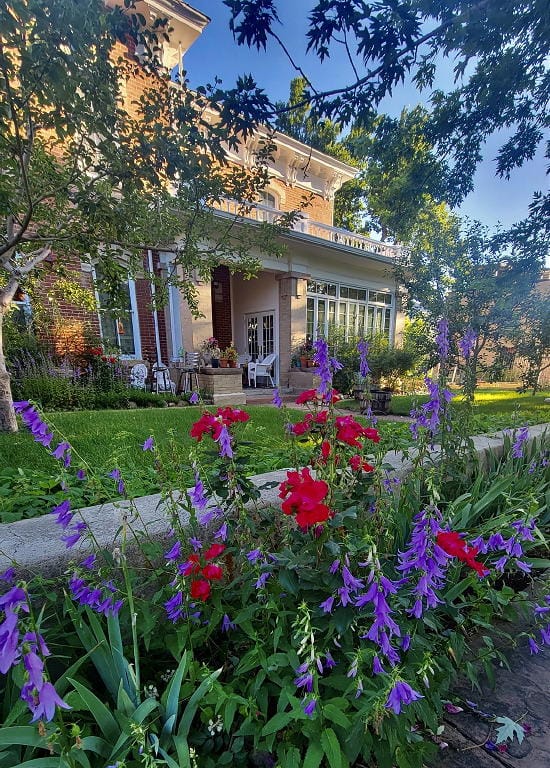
x,y
499,50
91,173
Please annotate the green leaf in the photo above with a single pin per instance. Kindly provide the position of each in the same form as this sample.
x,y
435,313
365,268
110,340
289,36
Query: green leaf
x,y
103,717
41,762
96,744
314,756
25,735
277,723
193,703
170,697
331,748
458,589
508,730
331,712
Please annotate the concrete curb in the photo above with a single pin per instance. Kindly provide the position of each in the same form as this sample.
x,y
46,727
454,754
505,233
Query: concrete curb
x,y
35,545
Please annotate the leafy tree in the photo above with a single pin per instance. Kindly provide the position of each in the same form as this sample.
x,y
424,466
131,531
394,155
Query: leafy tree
x,y
499,50
531,339
89,175
463,276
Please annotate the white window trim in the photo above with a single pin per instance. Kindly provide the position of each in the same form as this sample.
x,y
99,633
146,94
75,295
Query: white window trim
x,y
133,316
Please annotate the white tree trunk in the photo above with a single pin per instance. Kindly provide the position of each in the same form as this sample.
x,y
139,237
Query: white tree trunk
x,y
8,422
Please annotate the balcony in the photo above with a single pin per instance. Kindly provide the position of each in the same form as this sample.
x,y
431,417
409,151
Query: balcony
x,y
306,226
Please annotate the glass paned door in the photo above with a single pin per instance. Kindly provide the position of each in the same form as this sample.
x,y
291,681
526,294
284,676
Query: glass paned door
x,y
260,334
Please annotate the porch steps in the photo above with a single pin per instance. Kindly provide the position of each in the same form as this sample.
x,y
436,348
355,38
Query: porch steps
x,y
264,395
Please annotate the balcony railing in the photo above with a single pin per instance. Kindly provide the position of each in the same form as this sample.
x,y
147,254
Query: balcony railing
x,y
259,212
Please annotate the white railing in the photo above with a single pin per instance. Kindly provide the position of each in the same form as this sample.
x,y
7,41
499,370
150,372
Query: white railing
x,y
259,212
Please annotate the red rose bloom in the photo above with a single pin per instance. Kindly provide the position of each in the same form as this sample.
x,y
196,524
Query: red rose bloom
x,y
200,589
306,397
191,566
301,427
303,496
452,543
372,434
212,572
214,551
321,417
325,449
357,463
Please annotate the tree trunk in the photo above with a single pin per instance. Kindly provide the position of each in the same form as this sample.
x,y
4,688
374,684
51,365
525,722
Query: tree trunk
x,y
8,422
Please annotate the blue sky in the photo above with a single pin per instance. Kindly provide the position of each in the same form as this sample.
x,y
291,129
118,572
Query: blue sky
x,y
215,53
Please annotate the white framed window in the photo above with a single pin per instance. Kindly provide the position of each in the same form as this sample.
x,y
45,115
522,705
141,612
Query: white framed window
x,y
119,326
358,311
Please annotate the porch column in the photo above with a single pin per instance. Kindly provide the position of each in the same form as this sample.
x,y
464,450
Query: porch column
x,y
292,319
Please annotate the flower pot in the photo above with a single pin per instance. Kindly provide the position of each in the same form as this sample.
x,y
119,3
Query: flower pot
x,y
232,363
303,362
224,363
215,362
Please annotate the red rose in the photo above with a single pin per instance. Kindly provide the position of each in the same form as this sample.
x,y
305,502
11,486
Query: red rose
x,y
372,434
191,566
214,551
301,427
357,463
212,572
307,396
104,358
303,496
200,589
321,417
452,543
112,359
325,449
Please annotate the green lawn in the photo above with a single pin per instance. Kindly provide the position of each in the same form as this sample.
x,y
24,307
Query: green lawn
x,y
113,438
493,409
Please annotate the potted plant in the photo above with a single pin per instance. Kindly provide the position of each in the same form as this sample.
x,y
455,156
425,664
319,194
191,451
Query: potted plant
x,y
211,351
231,355
305,351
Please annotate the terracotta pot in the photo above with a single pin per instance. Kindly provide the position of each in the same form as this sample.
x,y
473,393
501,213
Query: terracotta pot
x,y
232,363
303,362
224,363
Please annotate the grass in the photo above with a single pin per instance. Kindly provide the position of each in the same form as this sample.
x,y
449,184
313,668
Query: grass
x,y
493,409
106,439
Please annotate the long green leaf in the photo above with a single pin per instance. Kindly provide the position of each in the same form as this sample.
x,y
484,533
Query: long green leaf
x,y
97,708
96,744
277,723
314,756
191,708
25,735
171,696
41,762
331,748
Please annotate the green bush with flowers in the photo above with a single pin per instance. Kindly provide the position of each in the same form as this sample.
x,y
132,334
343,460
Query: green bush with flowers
x,y
324,631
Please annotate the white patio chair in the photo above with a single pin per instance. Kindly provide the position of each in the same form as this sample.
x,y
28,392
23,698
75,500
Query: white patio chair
x,y
264,369
161,379
138,376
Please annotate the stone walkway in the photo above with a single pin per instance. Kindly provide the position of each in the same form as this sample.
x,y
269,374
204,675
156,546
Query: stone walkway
x,y
521,693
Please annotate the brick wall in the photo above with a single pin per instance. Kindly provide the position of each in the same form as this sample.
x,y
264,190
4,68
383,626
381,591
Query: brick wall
x,y
221,306
292,197
64,326
146,319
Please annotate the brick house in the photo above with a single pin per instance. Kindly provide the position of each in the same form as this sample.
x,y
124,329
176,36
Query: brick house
x,y
327,277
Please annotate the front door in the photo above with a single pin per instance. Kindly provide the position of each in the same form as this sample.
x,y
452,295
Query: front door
x,y
260,334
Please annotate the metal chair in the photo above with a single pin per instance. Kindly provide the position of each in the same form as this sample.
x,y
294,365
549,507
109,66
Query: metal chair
x,y
161,379
191,371
138,376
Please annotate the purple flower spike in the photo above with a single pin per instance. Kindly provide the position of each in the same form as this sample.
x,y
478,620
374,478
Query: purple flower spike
x,y
194,399
327,605
304,681
254,555
149,444
81,474
517,448
277,402
309,707
467,343
363,349
48,700
174,553
401,694
227,624
224,441
442,339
